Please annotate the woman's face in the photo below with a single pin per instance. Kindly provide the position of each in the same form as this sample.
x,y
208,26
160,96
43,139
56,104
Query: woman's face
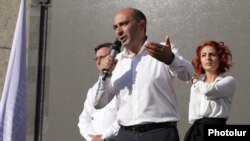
x,y
209,59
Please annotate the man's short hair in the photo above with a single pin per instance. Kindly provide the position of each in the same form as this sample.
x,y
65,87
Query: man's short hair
x,y
138,15
107,44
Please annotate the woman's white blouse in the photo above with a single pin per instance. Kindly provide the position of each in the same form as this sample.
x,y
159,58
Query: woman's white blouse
x,y
213,99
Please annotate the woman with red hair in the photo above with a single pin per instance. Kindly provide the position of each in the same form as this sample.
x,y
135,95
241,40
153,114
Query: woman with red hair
x,y
211,96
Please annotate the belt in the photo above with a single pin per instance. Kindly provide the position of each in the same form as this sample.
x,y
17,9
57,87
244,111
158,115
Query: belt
x,y
147,127
211,121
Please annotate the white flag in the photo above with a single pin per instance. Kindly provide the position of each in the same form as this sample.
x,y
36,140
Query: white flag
x,y
13,101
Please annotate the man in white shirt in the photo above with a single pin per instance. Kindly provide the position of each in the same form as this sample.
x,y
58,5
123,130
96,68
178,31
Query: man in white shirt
x,y
142,81
101,124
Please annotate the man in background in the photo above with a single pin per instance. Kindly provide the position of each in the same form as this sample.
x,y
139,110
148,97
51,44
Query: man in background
x,y
101,124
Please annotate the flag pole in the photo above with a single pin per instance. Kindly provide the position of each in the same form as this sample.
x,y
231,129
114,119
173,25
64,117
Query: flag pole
x,y
41,70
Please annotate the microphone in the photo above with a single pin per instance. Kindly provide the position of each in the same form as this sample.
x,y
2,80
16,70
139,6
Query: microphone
x,y
115,49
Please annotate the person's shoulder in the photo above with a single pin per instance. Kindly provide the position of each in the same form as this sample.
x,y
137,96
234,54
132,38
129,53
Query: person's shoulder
x,y
223,76
231,78
228,78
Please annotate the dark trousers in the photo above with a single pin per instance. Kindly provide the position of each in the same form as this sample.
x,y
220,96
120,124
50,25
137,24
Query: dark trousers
x,y
196,131
159,134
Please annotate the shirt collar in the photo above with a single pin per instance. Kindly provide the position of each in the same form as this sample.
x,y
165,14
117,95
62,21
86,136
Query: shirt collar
x,y
218,78
221,76
124,53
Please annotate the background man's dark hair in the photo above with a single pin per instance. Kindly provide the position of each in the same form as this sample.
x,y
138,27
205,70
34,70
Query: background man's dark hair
x,y
107,44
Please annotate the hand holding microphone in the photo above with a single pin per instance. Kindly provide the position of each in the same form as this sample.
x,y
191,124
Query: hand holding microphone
x,y
115,49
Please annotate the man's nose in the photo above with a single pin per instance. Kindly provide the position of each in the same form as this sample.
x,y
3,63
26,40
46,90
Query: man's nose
x,y
119,31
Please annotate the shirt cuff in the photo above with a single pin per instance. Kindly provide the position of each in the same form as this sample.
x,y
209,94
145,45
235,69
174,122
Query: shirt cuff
x,y
175,63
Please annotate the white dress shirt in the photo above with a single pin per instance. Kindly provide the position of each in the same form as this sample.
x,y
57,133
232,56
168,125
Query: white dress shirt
x,y
211,100
98,122
144,88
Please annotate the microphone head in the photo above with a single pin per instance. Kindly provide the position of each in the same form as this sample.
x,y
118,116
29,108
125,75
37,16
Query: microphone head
x,y
117,42
117,46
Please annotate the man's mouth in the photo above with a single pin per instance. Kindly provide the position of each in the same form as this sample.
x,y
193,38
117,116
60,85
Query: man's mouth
x,y
123,39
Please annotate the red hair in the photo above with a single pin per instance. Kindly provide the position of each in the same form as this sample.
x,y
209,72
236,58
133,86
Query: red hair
x,y
224,55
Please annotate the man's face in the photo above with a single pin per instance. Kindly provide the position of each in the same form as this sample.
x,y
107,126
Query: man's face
x,y
100,54
126,28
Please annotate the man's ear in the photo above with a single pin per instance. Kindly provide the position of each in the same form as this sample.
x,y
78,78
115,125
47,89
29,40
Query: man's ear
x,y
142,24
